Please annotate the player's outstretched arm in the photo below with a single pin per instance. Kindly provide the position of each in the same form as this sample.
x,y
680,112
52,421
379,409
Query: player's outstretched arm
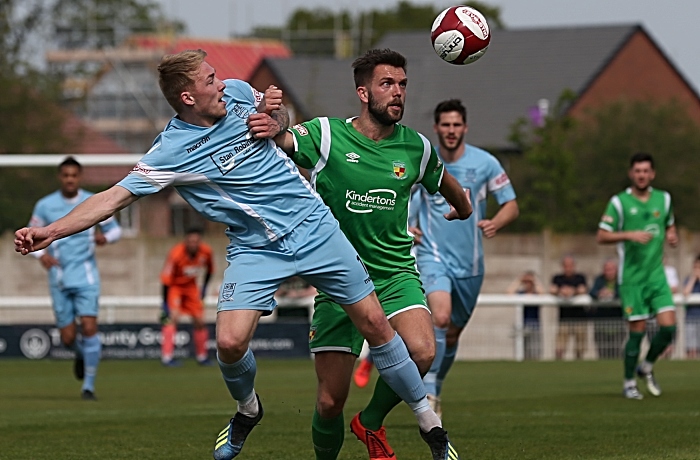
x,y
88,213
608,237
459,199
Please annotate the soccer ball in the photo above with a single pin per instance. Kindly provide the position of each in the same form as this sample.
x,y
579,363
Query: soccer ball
x,y
460,35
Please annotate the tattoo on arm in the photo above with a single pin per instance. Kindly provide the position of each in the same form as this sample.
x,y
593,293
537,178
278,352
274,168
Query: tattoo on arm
x,y
281,116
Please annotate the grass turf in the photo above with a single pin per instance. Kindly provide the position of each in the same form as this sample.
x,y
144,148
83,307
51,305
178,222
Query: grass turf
x,y
492,410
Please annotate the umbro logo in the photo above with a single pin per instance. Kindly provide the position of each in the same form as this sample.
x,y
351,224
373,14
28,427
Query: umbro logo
x,y
353,157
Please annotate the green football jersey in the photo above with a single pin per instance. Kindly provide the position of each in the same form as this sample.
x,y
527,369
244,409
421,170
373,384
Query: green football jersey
x,y
367,186
640,263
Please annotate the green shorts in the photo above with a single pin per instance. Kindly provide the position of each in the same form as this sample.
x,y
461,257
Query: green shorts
x,y
331,328
645,301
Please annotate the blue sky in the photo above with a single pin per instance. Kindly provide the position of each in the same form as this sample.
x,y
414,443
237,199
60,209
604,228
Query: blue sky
x,y
671,24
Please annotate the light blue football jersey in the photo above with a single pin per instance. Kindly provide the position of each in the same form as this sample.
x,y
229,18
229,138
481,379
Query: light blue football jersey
x,y
228,176
458,243
76,253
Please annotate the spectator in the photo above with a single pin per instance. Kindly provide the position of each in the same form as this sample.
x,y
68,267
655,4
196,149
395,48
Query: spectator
x,y
672,277
605,288
528,283
692,312
608,327
566,285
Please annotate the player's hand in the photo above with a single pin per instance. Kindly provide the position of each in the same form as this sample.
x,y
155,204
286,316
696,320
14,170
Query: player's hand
x,y
417,234
453,214
640,237
672,237
263,126
100,239
487,227
30,239
271,101
48,261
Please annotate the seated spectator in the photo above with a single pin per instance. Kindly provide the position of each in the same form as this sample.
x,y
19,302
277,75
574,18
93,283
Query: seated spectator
x,y
692,312
528,283
566,285
609,326
605,288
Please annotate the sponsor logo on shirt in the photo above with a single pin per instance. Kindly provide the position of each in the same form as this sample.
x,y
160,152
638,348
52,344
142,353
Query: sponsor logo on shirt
x,y
438,165
203,141
141,168
502,179
301,129
240,111
653,229
229,159
382,199
399,170
634,211
227,291
353,157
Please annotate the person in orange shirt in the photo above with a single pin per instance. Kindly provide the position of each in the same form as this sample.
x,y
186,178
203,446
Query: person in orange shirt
x,y
186,262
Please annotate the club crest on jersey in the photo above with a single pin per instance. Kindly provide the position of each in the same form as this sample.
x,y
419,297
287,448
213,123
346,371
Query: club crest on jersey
x,y
227,291
241,112
399,170
656,213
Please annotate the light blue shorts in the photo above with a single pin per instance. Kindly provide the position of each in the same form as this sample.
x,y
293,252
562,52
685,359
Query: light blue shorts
x,y
464,291
72,303
316,250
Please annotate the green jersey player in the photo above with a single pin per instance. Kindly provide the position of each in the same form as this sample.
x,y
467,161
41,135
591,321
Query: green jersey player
x,y
364,169
640,220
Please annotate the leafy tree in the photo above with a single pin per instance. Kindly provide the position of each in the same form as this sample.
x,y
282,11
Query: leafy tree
x,y
571,167
32,119
318,32
97,24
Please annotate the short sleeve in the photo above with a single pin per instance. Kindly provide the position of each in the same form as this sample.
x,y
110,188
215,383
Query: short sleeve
x,y
433,170
308,141
610,220
499,184
38,218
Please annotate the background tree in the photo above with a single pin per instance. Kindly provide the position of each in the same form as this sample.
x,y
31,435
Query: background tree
x,y
30,109
571,167
96,24
323,32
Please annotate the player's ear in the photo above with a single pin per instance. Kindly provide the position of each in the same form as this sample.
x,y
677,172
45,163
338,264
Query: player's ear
x,y
363,94
187,98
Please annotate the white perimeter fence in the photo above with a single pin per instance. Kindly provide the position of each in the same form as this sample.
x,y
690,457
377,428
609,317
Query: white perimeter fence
x,y
498,330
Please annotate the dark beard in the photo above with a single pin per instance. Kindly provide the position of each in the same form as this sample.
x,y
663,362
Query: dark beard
x,y
381,114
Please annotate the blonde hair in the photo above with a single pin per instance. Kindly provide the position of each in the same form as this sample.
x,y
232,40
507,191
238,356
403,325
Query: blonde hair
x,y
176,72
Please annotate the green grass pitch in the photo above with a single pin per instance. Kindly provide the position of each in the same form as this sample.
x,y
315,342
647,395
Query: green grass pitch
x,y
493,410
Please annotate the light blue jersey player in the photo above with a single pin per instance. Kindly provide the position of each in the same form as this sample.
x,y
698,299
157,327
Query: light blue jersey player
x,y
218,154
450,255
74,281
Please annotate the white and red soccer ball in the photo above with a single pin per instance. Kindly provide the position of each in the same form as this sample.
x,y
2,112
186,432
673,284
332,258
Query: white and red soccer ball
x,y
460,35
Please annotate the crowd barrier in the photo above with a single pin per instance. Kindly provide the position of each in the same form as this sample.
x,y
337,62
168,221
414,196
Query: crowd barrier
x,y
499,329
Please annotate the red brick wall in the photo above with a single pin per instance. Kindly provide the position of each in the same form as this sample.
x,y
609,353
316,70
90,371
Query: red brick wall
x,y
639,71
